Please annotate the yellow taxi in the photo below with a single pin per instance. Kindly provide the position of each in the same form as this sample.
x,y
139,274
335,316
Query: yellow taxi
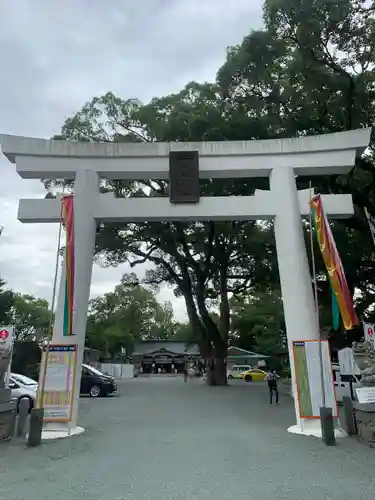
x,y
253,375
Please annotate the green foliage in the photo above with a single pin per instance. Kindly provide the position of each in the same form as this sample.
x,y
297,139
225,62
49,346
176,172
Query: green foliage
x,y
311,72
127,315
31,317
26,358
6,301
258,323
184,333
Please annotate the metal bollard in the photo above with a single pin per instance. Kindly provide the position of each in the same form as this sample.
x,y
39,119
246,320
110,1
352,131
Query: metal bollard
x,y
328,428
351,428
35,428
23,415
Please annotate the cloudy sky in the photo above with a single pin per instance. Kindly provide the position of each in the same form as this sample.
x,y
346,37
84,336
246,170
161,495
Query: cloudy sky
x,y
58,55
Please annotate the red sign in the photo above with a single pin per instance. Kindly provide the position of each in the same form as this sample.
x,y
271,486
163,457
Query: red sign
x,y
4,334
369,331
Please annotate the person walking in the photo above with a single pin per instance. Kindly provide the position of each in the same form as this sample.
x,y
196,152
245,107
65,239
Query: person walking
x,y
185,372
272,378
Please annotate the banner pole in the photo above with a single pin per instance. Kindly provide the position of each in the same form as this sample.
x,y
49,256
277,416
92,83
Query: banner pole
x,y
326,414
316,298
50,327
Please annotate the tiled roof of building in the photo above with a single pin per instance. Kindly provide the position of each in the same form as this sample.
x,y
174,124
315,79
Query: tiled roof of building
x,y
237,351
151,346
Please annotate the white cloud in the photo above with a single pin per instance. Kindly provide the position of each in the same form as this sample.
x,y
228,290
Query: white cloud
x,y
54,59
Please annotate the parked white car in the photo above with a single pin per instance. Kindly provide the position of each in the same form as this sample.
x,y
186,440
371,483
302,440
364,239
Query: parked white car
x,y
23,388
236,370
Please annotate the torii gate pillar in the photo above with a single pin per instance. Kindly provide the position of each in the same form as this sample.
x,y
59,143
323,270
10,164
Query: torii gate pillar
x,y
295,280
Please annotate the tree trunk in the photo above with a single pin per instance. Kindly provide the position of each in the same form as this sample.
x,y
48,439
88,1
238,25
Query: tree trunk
x,y
217,371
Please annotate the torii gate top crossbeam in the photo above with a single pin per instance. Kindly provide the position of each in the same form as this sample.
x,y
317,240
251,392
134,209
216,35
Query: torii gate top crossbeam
x,y
312,155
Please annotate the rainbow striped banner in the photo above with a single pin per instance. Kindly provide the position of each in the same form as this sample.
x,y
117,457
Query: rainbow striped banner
x,y
342,298
68,221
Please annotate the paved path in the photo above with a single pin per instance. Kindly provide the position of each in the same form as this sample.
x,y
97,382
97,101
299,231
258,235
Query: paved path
x,y
161,440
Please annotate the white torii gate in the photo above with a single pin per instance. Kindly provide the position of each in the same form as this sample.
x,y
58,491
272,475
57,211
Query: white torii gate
x,y
280,159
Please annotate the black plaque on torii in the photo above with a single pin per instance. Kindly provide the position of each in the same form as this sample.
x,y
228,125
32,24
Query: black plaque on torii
x,y
184,177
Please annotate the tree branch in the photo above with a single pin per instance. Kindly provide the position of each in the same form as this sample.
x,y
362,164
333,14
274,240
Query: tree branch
x,y
182,240
211,236
146,256
128,128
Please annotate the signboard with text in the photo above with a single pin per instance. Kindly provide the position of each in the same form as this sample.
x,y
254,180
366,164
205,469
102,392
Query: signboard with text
x,y
184,177
348,365
368,329
366,394
59,383
6,349
307,355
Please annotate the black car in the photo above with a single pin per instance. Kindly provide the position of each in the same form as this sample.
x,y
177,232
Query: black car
x,y
95,383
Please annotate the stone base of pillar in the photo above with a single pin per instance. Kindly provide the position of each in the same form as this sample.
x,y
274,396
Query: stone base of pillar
x,y
59,431
313,428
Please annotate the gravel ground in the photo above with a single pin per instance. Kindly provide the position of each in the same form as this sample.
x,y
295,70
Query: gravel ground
x,y
161,439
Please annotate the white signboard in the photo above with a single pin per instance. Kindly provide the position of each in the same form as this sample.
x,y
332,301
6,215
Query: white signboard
x,y
368,328
307,355
366,394
59,382
6,338
347,363
6,350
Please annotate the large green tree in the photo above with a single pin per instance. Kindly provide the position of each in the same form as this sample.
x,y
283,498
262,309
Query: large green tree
x,y
31,317
6,301
310,71
204,262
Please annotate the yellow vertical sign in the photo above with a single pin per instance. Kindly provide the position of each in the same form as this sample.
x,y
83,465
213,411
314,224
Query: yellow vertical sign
x,y
59,384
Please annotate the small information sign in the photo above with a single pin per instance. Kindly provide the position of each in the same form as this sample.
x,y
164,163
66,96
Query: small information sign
x,y
308,355
59,384
6,349
366,394
368,329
